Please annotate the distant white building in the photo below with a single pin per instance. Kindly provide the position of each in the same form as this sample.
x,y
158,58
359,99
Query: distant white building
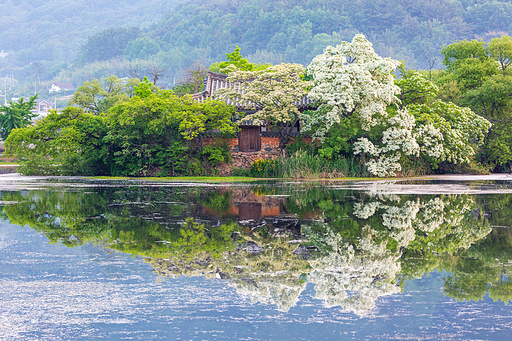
x,y
57,87
3,54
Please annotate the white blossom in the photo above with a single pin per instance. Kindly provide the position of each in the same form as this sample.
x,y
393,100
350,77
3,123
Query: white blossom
x,y
351,79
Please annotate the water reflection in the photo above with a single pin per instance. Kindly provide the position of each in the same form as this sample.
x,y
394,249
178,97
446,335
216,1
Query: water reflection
x,y
269,242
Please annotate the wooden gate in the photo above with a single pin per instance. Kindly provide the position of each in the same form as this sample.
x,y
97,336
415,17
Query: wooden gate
x,y
249,139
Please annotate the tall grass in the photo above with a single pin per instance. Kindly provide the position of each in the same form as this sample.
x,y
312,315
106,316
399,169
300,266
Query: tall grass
x,y
302,165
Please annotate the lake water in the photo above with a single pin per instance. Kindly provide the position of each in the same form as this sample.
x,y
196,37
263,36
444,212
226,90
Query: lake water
x,y
85,259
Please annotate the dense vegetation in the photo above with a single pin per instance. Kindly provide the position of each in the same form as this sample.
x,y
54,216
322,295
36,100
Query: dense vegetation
x,y
145,131
363,115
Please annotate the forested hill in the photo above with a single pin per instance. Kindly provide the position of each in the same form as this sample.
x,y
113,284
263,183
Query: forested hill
x,y
297,30
159,33
53,30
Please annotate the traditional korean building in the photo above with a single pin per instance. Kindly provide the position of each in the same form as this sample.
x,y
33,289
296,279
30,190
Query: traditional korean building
x,y
259,139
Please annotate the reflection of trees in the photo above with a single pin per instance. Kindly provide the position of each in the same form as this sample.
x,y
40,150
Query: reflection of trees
x,y
135,220
268,270
353,247
397,235
483,269
353,277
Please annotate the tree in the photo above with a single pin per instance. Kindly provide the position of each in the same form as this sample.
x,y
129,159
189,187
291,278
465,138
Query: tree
x,y
351,79
107,44
149,132
16,115
480,73
67,143
356,87
235,59
194,76
272,93
98,96
461,50
141,48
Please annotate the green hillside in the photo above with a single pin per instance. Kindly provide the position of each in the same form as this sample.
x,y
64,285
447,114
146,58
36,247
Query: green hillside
x,y
79,40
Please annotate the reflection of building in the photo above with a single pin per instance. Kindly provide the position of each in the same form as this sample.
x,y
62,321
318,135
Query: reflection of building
x,y
255,210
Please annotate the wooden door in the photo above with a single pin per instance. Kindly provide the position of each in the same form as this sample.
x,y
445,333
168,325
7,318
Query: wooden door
x,y
249,139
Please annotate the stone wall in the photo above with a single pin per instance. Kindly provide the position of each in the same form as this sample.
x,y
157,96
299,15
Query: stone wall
x,y
242,160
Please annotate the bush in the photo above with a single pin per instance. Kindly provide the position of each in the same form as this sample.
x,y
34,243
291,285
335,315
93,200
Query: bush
x,y
263,168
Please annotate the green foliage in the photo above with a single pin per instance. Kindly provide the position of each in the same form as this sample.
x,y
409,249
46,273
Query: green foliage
x,y
478,76
341,138
16,115
416,89
160,132
98,96
71,141
263,168
303,165
236,61
144,88
141,48
152,133
455,53
299,144
107,44
269,32
217,154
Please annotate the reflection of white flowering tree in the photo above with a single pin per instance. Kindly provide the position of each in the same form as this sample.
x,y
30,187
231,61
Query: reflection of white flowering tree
x,y
273,93
353,274
354,278
354,270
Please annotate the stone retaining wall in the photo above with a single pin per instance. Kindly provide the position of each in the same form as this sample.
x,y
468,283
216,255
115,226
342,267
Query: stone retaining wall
x,y
243,160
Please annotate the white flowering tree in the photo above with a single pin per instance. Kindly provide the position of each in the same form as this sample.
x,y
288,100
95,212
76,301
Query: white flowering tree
x,y
273,95
351,79
352,83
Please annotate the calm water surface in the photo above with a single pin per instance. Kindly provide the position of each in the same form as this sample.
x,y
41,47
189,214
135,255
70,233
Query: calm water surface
x,y
83,259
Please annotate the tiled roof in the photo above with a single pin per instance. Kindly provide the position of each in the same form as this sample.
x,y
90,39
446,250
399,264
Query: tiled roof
x,y
215,80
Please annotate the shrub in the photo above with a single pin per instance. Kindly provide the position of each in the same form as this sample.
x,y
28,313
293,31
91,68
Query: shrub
x,y
263,168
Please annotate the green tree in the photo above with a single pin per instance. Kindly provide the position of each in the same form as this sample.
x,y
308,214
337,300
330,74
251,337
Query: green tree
x,y
141,48
67,143
480,74
107,44
98,96
150,132
16,115
235,61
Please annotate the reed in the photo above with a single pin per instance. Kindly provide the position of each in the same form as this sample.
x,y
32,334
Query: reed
x,y
302,165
